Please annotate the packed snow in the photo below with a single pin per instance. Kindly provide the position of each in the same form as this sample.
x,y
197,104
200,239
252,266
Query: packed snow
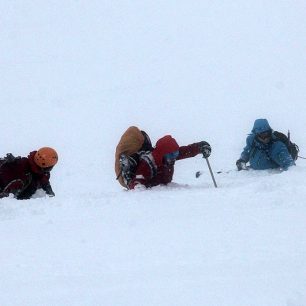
x,y
76,74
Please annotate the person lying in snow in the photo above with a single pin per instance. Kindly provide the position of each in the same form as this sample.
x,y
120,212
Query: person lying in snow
x,y
264,150
157,167
22,176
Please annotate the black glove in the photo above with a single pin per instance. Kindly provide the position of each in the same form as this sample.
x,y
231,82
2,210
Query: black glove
x,y
205,148
49,191
241,164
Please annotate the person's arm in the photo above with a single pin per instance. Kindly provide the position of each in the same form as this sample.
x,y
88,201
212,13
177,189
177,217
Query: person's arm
x,y
245,155
194,149
45,184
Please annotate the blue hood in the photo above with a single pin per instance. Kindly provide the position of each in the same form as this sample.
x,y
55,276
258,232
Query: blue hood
x,y
261,125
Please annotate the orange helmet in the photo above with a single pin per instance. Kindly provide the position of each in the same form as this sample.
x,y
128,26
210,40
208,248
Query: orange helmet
x,y
45,157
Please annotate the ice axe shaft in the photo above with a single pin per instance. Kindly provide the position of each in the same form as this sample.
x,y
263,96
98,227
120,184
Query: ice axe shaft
x,y
211,173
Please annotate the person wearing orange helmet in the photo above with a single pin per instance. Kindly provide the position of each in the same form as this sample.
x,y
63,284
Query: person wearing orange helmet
x,y
23,176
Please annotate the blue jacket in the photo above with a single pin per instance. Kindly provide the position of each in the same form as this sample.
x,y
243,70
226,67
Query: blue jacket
x,y
265,156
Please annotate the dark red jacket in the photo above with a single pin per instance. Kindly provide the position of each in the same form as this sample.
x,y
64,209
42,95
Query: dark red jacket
x,y
22,177
152,170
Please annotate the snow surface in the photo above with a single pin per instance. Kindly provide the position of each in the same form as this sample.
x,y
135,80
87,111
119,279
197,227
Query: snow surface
x,y
76,74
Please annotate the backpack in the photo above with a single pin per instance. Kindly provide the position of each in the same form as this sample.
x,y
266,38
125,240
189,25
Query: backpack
x,y
132,144
293,149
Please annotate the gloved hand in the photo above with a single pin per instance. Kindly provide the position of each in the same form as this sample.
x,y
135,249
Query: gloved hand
x,y
241,164
205,148
49,191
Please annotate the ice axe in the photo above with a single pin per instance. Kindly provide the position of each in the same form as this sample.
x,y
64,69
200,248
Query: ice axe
x,y
211,173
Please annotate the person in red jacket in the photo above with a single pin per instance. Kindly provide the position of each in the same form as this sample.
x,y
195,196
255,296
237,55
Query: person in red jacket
x,y
22,176
157,167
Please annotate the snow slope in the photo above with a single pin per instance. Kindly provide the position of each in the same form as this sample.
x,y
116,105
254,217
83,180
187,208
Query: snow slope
x,y
76,74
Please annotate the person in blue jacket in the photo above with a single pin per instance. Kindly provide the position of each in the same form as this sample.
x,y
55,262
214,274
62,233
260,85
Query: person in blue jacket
x,y
263,150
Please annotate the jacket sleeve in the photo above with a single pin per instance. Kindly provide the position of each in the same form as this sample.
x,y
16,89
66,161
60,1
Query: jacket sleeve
x,y
245,155
143,175
189,151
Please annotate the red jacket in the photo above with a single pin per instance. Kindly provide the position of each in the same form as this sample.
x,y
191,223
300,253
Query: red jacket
x,y
22,177
153,171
